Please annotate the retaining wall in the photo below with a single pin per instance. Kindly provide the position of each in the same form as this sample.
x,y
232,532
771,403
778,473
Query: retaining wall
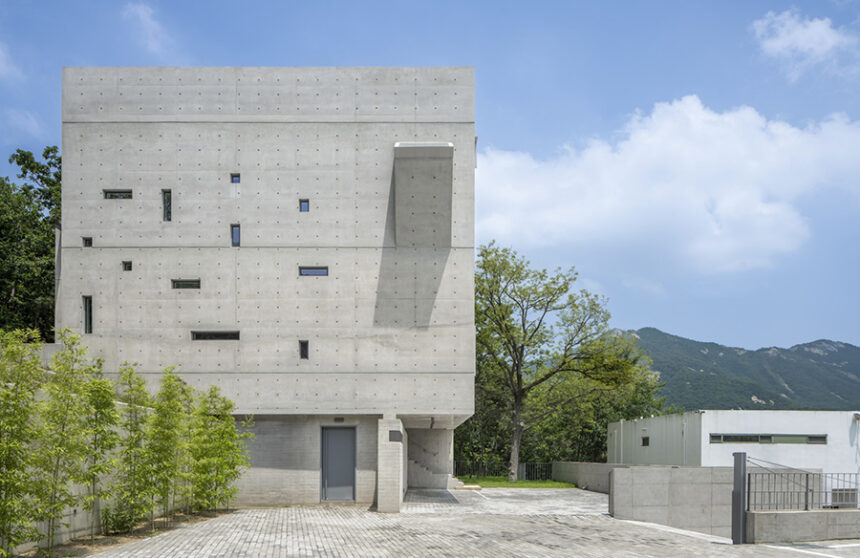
x,y
588,476
796,526
694,498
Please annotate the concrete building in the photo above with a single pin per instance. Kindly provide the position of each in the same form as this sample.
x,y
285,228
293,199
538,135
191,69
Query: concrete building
x,y
302,238
828,441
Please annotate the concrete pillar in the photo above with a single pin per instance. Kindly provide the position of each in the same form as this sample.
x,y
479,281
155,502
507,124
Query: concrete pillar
x,y
389,465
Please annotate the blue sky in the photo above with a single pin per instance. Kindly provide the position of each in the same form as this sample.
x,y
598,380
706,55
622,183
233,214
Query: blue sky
x,y
698,162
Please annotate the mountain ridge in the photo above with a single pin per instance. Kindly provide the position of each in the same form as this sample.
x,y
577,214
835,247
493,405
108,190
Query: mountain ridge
x,y
822,374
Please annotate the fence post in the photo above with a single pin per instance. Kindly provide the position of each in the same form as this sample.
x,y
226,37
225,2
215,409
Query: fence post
x,y
739,534
806,494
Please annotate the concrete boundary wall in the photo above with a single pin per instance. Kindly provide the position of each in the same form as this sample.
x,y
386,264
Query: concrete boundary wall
x,y
694,498
797,526
588,476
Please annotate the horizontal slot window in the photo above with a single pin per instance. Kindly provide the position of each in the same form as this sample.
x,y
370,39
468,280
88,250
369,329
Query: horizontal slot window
x,y
215,335
313,271
117,194
185,283
768,438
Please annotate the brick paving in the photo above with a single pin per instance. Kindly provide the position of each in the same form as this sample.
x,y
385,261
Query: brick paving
x,y
494,523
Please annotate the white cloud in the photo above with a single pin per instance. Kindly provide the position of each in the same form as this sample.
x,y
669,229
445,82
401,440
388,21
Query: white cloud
x,y
801,43
26,121
155,38
8,69
716,191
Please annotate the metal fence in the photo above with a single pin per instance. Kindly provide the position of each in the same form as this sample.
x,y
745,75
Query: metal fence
x,y
768,491
526,471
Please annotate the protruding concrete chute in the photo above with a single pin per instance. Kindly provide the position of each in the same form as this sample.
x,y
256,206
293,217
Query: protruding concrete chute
x,y
423,190
390,464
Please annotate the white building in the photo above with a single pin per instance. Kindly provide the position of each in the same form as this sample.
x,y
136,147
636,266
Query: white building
x,y
822,440
302,238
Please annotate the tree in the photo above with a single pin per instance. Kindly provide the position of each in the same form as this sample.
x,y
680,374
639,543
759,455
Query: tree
x,y
44,180
217,450
20,377
163,437
100,421
62,444
132,487
26,261
534,333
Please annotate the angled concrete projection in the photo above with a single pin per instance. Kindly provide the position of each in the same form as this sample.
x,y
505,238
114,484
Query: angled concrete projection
x,y
410,272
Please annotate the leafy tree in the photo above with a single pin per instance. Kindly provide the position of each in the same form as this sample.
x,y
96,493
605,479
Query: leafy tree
x,y
20,377
163,437
101,420
42,179
26,261
534,333
132,487
61,447
217,450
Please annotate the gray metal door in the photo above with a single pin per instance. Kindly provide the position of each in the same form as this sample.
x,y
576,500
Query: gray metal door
x,y
338,464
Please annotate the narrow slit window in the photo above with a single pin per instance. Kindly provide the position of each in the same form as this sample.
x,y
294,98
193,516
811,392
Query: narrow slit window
x,y
235,178
313,271
185,283
167,205
88,241
304,206
117,194
304,350
214,335
88,314
235,234
126,266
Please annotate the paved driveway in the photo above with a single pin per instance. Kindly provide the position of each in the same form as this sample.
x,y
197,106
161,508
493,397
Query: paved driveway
x,y
491,523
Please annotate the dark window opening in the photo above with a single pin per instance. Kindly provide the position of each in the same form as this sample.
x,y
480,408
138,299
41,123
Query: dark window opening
x,y
214,335
185,283
126,266
234,234
235,177
304,350
769,438
646,440
117,194
304,206
88,314
167,205
817,439
88,241
313,271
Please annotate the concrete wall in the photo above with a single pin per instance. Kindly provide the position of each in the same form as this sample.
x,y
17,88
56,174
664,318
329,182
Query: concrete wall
x,y
695,498
588,476
286,456
431,457
796,526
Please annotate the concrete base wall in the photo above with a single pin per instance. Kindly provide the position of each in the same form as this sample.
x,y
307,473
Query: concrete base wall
x,y
695,498
588,476
286,458
796,526
431,457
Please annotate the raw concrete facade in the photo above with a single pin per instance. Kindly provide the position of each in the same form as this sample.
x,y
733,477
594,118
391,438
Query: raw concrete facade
x,y
364,174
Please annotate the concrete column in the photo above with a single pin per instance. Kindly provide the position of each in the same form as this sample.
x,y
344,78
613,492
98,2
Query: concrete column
x,y
389,465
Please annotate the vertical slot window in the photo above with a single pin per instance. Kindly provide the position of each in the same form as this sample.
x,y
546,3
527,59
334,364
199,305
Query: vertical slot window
x,y
167,205
304,350
88,314
304,206
235,235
